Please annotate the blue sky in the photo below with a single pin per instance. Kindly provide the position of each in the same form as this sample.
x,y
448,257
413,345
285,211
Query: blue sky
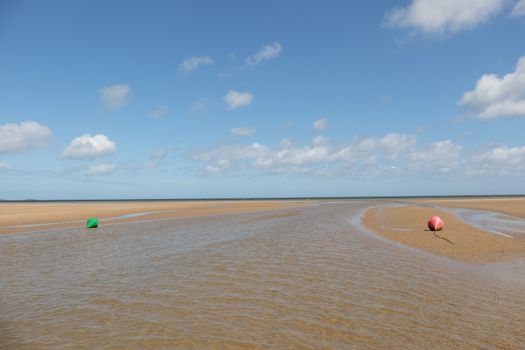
x,y
187,99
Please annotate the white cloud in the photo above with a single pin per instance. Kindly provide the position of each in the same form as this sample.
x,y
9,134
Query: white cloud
x,y
101,169
311,158
392,144
22,137
504,154
293,158
444,16
160,153
115,96
236,99
199,105
499,160
495,97
286,143
321,124
218,166
395,144
192,63
519,9
242,131
372,157
235,152
87,147
158,113
439,156
266,53
319,141
5,166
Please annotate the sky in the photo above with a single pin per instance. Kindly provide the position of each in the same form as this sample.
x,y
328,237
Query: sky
x,y
209,99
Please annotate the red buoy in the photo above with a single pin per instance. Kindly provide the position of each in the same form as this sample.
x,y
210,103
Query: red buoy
x,y
436,223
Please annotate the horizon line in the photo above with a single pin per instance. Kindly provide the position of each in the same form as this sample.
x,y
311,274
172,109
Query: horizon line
x,y
260,198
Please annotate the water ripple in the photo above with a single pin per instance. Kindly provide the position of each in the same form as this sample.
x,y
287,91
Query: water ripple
x,y
314,279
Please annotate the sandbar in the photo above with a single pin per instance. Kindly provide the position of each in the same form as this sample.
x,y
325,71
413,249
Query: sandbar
x,y
407,224
37,216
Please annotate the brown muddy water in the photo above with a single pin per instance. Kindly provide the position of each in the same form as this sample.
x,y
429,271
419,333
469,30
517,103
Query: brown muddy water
x,y
307,278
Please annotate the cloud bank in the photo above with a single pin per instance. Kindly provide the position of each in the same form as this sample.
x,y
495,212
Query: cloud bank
x,y
289,158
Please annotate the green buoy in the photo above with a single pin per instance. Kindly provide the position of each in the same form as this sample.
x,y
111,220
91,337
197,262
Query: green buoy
x,y
92,223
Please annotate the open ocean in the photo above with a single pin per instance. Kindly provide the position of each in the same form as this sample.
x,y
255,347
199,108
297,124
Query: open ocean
x,y
306,278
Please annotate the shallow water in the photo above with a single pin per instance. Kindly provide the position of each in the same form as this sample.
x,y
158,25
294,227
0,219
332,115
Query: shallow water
x,y
107,219
500,224
312,279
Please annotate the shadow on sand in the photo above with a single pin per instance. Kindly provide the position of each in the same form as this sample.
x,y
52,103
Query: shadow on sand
x,y
443,238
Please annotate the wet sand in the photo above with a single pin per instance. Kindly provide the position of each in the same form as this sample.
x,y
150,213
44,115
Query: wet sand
x,y
295,278
511,206
28,217
458,240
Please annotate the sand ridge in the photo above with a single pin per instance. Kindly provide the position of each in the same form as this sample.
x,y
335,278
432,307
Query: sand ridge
x,y
43,216
407,224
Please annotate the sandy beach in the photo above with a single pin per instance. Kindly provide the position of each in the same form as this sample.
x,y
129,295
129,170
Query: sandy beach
x,y
407,224
26,217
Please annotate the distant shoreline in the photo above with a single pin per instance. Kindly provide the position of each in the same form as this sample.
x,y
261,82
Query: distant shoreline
x,y
261,198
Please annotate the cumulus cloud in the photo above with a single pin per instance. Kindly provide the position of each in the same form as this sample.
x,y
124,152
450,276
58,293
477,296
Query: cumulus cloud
x,y
500,160
519,9
160,153
288,157
158,113
266,53
439,156
87,147
320,124
236,99
495,97
15,138
503,155
392,144
243,131
393,154
101,169
444,16
115,96
190,64
5,166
